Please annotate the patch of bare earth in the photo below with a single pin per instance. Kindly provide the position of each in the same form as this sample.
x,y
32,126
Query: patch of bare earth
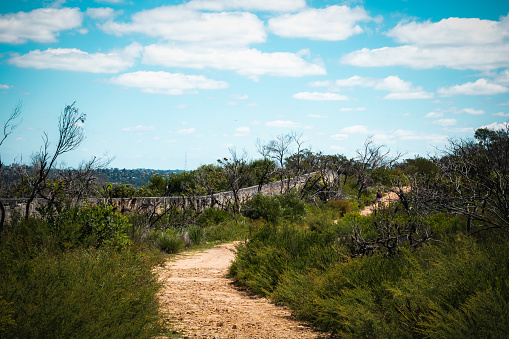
x,y
203,302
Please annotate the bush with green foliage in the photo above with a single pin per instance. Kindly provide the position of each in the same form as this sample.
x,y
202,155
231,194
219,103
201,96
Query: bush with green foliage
x,y
287,206
451,288
53,286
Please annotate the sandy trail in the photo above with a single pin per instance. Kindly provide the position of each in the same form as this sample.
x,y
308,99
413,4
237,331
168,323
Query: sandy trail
x,y
204,303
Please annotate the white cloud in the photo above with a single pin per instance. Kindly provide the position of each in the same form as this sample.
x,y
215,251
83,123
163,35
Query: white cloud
x,y
5,86
110,1
317,96
355,129
502,78
248,62
400,89
472,111
331,23
324,83
240,96
139,128
186,130
166,83
177,23
450,32
411,135
243,129
281,123
248,5
455,43
434,115
72,59
181,106
409,96
340,136
101,13
317,116
40,25
496,126
445,122
501,114
480,87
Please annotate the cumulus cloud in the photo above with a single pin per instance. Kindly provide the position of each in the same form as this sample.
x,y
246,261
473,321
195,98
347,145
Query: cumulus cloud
x,y
186,130
496,126
456,43
281,123
248,5
72,59
480,87
39,25
101,13
444,122
501,114
178,23
166,83
245,61
472,111
451,32
317,96
434,115
340,136
332,23
400,89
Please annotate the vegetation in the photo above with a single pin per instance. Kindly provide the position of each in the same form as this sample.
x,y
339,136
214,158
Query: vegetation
x,y
433,264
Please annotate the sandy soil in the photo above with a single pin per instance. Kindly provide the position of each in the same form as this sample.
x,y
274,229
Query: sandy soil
x,y
387,199
204,303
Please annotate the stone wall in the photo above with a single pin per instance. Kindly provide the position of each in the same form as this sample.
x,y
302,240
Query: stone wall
x,y
198,203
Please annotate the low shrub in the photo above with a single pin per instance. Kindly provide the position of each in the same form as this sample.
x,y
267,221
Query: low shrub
x,y
88,293
169,241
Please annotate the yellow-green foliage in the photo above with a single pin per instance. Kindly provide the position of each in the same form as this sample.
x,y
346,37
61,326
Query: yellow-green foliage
x,y
456,286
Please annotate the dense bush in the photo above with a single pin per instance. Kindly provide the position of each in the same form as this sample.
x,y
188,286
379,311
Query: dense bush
x,y
287,206
455,287
50,290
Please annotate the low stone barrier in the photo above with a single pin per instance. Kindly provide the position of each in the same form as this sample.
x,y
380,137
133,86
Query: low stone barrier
x,y
198,203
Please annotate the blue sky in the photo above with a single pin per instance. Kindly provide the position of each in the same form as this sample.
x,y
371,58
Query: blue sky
x,y
175,84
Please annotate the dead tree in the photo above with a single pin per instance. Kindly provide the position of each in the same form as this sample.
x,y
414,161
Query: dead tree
x,y
9,126
70,137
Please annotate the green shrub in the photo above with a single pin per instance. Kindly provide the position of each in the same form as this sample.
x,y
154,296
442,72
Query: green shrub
x,y
287,206
169,242
195,235
342,207
86,293
213,215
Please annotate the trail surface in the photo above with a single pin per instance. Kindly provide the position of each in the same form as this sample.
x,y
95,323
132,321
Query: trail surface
x,y
204,303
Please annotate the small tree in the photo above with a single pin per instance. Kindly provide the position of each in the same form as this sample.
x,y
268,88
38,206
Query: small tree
x,y
70,137
9,126
236,174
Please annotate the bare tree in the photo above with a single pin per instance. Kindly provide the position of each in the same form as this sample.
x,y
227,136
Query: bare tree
x,y
9,126
236,174
472,180
70,137
370,158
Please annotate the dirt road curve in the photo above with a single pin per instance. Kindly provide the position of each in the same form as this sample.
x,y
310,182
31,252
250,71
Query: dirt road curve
x,y
205,304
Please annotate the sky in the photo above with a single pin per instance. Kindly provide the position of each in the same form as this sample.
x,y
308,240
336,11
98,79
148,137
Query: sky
x,y
176,84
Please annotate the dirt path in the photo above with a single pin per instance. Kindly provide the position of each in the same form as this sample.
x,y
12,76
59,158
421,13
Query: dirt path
x,y
204,303
387,199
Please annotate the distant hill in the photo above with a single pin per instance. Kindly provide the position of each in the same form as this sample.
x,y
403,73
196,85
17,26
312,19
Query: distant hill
x,y
134,177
